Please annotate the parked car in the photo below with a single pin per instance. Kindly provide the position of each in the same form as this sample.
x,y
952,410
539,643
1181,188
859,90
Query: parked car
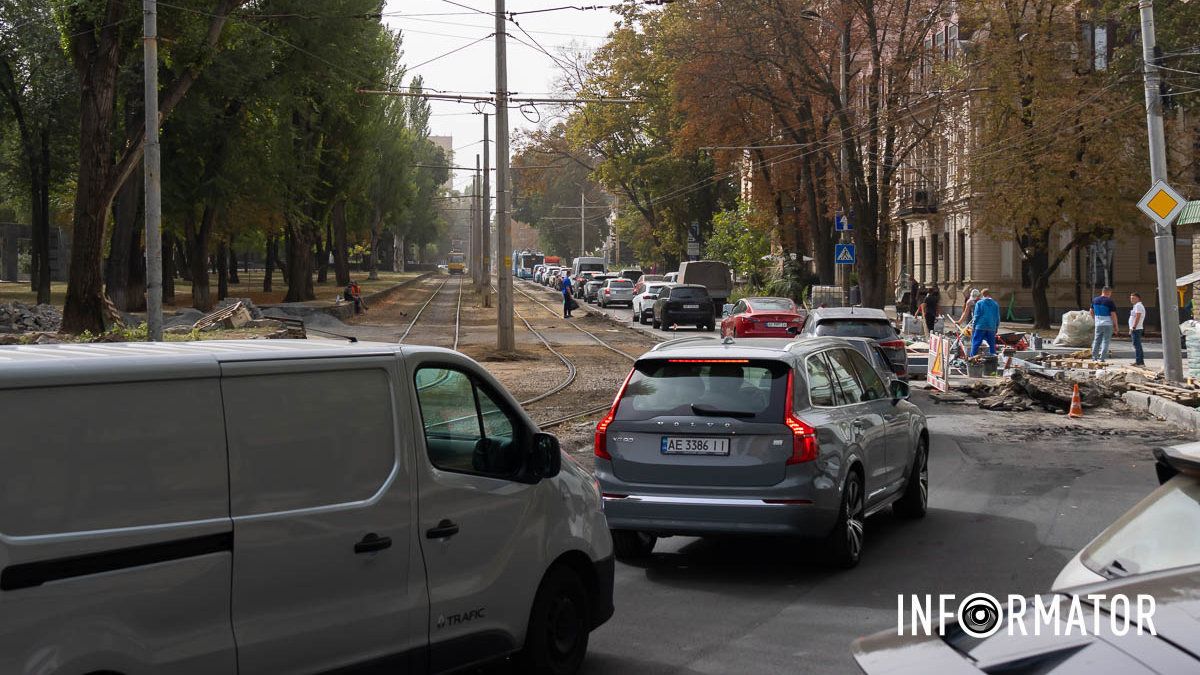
x,y
592,290
873,353
763,317
538,270
671,277
682,304
578,283
798,438
616,292
711,274
644,295
1160,532
652,277
860,322
631,274
361,487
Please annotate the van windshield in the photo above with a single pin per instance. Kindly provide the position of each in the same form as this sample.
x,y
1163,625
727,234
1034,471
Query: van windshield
x,y
591,267
753,391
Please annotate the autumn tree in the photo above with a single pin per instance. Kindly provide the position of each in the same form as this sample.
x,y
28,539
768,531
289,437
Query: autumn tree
x,y
1055,165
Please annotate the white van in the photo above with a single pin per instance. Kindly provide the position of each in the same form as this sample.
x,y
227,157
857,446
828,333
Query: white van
x,y
588,264
285,507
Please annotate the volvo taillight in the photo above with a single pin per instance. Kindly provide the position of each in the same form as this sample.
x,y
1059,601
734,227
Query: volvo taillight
x,y
804,436
600,441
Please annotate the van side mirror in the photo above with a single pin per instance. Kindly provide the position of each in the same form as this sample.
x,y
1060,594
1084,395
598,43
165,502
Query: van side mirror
x,y
900,391
544,459
726,309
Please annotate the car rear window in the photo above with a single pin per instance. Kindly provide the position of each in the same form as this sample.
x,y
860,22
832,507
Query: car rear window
x,y
679,293
772,305
752,391
620,283
868,328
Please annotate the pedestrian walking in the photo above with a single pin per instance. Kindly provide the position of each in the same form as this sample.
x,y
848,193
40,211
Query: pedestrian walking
x,y
566,295
1137,322
985,321
969,307
930,306
1104,313
914,296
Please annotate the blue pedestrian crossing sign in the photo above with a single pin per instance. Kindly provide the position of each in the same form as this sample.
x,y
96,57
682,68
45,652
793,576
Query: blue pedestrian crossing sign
x,y
843,254
841,223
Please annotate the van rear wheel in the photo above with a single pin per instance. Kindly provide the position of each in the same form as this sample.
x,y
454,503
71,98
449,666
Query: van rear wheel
x,y
631,545
559,623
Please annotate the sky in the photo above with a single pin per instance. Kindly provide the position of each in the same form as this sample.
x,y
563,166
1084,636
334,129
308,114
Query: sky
x,y
433,28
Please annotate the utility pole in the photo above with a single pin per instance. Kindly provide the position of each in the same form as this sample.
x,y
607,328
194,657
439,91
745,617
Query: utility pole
x,y
843,153
1164,238
485,284
582,231
151,162
476,248
504,319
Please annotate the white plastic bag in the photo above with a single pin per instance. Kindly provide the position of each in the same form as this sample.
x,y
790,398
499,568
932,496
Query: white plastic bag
x,y
1078,329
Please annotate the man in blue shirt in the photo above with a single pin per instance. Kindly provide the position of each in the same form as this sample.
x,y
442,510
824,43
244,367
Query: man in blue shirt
x,y
566,293
1104,313
985,321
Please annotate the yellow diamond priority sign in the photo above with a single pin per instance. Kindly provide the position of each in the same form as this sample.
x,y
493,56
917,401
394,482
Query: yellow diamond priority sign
x,y
1162,203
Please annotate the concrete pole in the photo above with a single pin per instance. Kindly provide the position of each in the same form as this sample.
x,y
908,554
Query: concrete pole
x,y
504,316
844,156
477,251
582,230
151,162
485,284
1164,238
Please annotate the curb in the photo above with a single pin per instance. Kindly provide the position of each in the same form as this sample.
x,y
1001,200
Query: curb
x,y
1173,413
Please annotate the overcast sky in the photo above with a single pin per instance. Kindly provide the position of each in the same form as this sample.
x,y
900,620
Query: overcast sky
x,y
432,28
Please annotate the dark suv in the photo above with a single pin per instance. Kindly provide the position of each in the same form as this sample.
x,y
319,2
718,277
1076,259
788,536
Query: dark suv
x,y
684,304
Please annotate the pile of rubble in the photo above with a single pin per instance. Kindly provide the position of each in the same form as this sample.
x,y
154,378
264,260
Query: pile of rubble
x,y
17,317
1032,389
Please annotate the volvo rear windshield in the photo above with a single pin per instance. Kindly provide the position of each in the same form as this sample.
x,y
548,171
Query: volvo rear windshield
x,y
622,283
682,293
746,390
874,329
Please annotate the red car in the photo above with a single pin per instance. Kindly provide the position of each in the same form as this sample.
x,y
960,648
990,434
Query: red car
x,y
763,317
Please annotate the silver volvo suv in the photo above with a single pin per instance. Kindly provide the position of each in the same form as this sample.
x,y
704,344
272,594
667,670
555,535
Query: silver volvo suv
x,y
777,437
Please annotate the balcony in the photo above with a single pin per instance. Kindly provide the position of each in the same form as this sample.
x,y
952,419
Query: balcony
x,y
914,200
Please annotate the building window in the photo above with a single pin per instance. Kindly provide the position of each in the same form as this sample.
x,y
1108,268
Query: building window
x,y
922,263
946,248
1100,264
962,255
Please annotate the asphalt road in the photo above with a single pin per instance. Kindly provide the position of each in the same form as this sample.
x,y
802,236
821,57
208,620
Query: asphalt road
x,y
1012,498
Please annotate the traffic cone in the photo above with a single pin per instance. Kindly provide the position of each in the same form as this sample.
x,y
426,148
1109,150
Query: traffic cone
x,y
1076,404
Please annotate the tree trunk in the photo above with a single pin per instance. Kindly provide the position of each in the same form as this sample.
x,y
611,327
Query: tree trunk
x,y
323,253
222,270
269,263
41,224
402,257
185,261
300,264
198,257
168,273
126,209
819,226
341,268
135,287
233,270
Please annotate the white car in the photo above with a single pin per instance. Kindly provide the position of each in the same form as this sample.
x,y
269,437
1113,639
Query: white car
x,y
285,507
644,295
1160,532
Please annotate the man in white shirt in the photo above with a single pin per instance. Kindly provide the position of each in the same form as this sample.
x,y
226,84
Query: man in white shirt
x,y
1137,321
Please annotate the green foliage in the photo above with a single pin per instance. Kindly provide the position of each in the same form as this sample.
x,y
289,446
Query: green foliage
x,y
740,240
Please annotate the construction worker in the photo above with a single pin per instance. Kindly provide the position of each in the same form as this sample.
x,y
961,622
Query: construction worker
x,y
985,321
969,307
1104,313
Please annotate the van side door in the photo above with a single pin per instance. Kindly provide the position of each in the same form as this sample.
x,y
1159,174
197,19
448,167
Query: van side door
x,y
322,502
482,530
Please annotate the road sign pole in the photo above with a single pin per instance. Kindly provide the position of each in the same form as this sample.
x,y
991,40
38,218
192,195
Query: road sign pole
x,y
1164,238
